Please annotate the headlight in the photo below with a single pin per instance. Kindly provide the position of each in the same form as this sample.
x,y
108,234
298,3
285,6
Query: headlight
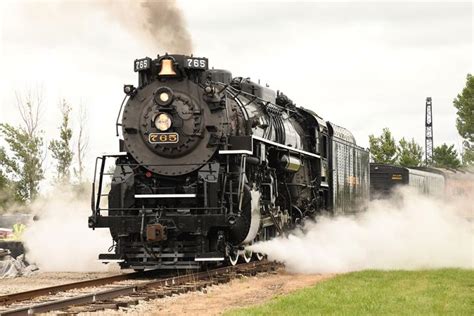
x,y
163,122
163,96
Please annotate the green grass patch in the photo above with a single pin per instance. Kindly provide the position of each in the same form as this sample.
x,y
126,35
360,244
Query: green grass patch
x,y
427,292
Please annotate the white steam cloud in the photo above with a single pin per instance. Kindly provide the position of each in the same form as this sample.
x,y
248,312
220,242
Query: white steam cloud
x,y
60,240
409,232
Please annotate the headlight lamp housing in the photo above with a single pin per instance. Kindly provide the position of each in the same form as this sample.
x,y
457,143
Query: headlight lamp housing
x,y
163,122
163,96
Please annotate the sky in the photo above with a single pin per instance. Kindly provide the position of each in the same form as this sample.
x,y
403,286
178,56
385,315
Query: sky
x,y
362,65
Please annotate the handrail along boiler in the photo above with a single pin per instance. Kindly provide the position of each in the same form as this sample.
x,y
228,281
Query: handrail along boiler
x,y
210,163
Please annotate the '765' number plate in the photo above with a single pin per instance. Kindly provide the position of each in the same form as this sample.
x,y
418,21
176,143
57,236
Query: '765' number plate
x,y
163,138
142,64
195,63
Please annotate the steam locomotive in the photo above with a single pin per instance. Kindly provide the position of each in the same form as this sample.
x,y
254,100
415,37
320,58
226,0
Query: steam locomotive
x,y
209,164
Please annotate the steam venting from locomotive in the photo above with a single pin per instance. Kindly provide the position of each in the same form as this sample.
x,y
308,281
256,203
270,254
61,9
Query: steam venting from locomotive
x,y
160,21
58,240
408,232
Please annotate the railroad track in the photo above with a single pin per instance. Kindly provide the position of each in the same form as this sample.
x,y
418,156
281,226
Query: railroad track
x,y
120,291
9,299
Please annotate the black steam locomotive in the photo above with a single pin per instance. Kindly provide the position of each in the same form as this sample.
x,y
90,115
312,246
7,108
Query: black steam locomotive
x,y
209,164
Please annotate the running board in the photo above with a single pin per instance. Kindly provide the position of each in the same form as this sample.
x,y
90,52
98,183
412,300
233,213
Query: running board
x,y
165,196
209,256
111,260
110,257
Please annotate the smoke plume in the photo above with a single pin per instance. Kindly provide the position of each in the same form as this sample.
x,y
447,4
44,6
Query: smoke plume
x,y
160,22
409,232
60,239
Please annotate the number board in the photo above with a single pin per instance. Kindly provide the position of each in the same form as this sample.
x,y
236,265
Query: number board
x,y
195,63
142,64
396,177
163,138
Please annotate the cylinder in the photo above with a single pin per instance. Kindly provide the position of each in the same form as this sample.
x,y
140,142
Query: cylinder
x,y
290,163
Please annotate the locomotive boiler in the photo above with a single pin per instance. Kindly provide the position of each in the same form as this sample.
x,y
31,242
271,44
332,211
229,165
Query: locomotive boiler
x,y
211,163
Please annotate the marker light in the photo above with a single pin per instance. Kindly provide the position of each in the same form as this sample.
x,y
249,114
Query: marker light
x,y
163,122
129,90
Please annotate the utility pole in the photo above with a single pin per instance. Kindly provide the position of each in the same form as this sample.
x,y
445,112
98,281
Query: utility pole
x,y
428,132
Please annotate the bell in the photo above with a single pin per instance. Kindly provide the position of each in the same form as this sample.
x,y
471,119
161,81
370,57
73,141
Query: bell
x,y
167,68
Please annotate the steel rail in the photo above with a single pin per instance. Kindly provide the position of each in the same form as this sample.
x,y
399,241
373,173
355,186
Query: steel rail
x,y
131,289
21,296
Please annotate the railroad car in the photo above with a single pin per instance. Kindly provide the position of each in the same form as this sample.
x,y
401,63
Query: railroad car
x,y
459,183
459,190
210,163
384,178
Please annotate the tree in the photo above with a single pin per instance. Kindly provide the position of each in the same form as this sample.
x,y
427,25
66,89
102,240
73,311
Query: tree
x,y
383,148
468,153
3,166
5,197
464,103
409,153
8,195
60,148
27,160
24,165
82,144
445,156
7,192
30,107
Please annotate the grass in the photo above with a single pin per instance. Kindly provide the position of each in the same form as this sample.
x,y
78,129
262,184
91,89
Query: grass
x,y
427,292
